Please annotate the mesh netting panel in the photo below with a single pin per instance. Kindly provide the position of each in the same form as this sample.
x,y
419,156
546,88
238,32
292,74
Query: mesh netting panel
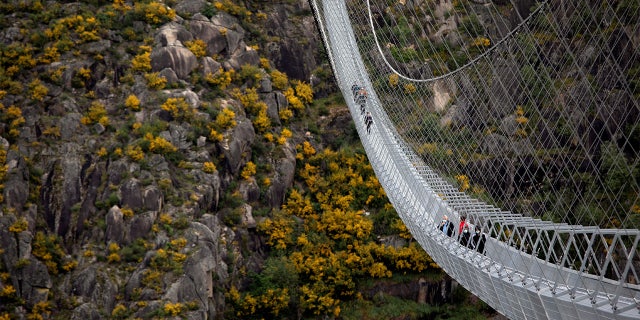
x,y
521,116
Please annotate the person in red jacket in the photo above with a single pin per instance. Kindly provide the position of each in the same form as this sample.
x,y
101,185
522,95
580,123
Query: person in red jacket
x,y
463,222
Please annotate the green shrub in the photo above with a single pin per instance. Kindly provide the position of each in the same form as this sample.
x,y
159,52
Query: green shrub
x,y
135,251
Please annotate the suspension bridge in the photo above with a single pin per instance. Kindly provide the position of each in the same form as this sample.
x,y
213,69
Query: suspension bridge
x,y
522,116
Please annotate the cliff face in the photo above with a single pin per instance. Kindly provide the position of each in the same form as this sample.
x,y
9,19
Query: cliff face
x,y
122,180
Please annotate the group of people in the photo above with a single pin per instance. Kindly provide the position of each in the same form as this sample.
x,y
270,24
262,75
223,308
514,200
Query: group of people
x,y
360,97
475,241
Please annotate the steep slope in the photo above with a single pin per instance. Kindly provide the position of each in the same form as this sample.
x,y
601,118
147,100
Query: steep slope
x,y
126,154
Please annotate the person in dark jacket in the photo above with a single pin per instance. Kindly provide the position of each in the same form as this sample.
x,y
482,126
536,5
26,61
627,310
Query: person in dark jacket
x,y
478,240
465,235
368,120
355,88
446,226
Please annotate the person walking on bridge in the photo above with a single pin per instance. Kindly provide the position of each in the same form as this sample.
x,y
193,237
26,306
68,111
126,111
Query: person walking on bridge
x,y
446,226
355,88
465,236
463,223
478,240
368,120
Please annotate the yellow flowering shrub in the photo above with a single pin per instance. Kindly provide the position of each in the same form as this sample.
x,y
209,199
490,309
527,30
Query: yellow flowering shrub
x,y
121,6
278,229
178,243
197,47
409,258
135,153
274,300
113,247
179,108
250,99
222,78
37,91
393,80
250,72
428,148
47,249
155,13
41,310
13,117
113,257
264,63
215,135
3,173
401,228
356,227
226,119
155,81
209,167
102,152
7,291
522,121
55,75
262,122
286,133
97,114
293,100
299,206
307,149
481,42
84,73
173,309
248,171
52,131
232,8
285,114
159,144
132,102
304,91
279,80
127,212
119,311
142,61
409,88
318,302
81,28
19,225
463,182
165,218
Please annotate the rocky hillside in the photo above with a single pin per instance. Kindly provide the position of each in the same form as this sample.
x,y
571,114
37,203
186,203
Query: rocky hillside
x,y
147,150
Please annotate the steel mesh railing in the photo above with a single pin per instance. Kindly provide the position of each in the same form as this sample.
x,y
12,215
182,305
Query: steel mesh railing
x,y
521,117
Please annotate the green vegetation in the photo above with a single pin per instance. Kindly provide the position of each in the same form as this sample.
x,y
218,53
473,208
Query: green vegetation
x,y
322,240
